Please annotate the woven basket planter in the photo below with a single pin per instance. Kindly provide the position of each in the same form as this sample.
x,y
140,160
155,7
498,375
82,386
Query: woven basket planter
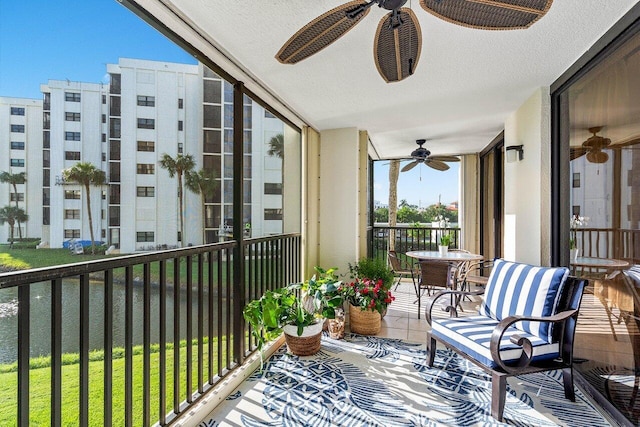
x,y
364,322
306,344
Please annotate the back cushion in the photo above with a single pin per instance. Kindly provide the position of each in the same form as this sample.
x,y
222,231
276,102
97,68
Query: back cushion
x,y
526,290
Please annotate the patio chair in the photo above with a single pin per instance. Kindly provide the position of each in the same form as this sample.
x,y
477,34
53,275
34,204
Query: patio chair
x,y
508,339
401,269
439,274
478,274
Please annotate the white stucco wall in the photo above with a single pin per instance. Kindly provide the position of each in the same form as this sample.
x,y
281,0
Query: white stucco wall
x,y
527,186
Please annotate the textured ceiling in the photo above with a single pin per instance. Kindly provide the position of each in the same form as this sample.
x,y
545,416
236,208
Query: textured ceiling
x,y
467,81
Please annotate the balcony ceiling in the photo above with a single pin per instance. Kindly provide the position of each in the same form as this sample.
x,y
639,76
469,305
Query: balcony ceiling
x,y
467,81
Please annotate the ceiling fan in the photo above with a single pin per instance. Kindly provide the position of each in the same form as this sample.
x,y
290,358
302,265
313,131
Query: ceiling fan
x,y
422,155
398,39
594,145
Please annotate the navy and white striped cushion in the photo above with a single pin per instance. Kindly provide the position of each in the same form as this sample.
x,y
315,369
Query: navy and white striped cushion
x,y
526,290
472,335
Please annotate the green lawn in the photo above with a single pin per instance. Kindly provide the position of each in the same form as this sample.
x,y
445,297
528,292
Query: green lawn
x,y
40,393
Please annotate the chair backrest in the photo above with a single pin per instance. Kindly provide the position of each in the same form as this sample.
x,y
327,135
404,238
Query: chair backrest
x,y
522,289
570,298
394,261
434,273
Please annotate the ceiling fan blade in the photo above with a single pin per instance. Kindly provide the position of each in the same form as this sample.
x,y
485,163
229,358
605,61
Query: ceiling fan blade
x,y
437,164
397,45
445,158
597,156
489,14
576,152
410,166
321,32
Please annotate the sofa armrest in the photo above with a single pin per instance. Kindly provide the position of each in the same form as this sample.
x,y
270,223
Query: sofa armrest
x,y
527,348
449,308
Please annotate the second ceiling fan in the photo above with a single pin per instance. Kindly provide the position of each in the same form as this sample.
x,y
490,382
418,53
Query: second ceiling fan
x,y
398,39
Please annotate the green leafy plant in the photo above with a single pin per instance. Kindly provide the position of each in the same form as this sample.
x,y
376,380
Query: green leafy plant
x,y
445,240
373,269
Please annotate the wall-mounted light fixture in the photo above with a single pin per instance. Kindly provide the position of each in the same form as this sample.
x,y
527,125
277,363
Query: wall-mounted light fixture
x,y
514,153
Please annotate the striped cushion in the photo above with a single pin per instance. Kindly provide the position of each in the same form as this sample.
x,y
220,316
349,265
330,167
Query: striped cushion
x,y
526,290
472,335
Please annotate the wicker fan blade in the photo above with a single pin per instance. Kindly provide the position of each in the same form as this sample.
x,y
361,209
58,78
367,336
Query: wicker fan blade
x,y
321,32
410,166
397,45
437,164
489,14
445,158
574,153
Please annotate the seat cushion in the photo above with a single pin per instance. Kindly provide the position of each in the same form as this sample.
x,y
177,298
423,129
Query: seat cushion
x,y
472,335
525,290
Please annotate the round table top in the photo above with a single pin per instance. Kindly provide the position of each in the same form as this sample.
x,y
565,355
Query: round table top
x,y
605,263
449,256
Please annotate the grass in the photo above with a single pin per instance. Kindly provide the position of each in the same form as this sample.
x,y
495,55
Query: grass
x,y
40,392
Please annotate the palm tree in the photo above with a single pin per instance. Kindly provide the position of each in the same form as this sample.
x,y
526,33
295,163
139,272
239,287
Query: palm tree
x,y
202,182
14,179
86,174
394,172
276,146
178,166
12,215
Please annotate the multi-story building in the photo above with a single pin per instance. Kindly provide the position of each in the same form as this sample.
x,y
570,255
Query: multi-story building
x,y
21,151
124,127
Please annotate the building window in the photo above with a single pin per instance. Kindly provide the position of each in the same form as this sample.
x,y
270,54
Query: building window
x,y
104,99
180,103
146,101
72,155
72,214
72,194
104,118
146,146
46,220
72,117
17,111
73,233
46,158
146,169
576,180
104,137
146,191
269,115
145,236
146,124
180,147
17,163
20,197
272,188
180,125
72,136
72,96
575,210
273,214
17,145
17,128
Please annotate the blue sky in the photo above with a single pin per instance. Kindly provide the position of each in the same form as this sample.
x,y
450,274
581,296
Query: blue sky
x,y
64,39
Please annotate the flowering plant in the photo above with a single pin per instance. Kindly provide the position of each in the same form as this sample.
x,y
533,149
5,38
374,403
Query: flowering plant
x,y
576,221
367,294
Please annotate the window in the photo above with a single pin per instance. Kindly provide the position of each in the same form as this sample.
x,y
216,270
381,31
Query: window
x,y
72,136
73,233
273,214
46,158
17,111
72,96
17,128
146,101
180,103
146,191
46,215
272,188
576,180
72,214
114,128
268,114
146,124
72,155
180,125
20,197
145,236
72,117
104,118
146,169
146,146
17,145
72,194
180,147
575,210
104,99
17,163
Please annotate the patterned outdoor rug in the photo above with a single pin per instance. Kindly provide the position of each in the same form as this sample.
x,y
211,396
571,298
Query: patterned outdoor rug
x,y
369,381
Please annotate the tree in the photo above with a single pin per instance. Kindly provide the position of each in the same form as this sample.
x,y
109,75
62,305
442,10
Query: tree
x,y
276,146
381,215
179,166
394,172
12,215
86,174
14,179
203,182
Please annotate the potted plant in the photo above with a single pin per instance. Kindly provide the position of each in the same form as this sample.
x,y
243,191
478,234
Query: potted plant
x,y
373,269
445,241
368,299
298,310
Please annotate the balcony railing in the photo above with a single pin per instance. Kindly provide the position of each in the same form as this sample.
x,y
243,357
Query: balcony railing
x,y
409,238
169,323
609,243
